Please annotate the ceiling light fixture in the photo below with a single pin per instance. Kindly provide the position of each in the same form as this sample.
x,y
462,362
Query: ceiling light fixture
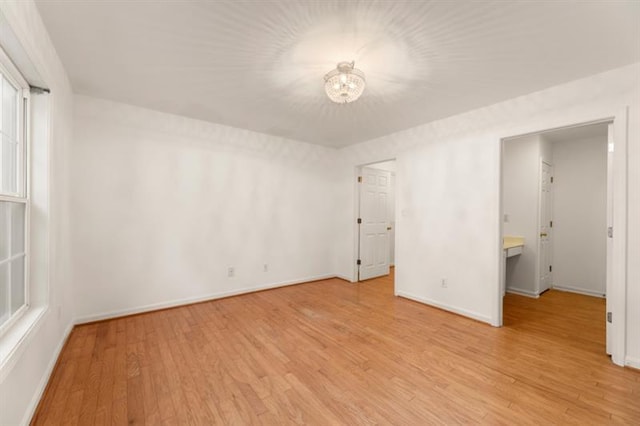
x,y
344,84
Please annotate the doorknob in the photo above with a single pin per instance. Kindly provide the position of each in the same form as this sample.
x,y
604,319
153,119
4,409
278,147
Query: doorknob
x,y
388,228
543,234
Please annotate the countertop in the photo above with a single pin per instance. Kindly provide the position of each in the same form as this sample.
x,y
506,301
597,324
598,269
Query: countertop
x,y
511,241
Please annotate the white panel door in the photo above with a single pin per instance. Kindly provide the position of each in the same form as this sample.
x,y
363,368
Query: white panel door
x,y
374,235
546,210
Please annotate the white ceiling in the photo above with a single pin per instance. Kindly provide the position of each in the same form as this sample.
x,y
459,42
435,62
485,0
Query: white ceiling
x,y
259,65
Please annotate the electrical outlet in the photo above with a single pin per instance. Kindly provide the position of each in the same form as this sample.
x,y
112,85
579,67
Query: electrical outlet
x,y
231,272
443,283
265,267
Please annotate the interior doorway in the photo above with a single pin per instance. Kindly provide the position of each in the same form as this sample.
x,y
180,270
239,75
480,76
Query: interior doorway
x,y
557,210
375,219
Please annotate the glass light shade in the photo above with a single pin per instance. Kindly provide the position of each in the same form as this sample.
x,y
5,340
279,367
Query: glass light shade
x,y
344,84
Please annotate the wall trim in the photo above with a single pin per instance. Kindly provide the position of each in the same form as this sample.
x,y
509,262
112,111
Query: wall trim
x,y
204,298
460,311
46,377
523,292
570,289
632,362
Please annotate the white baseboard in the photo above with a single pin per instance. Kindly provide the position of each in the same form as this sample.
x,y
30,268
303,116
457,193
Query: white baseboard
x,y
579,291
44,381
444,306
523,292
190,300
632,362
344,277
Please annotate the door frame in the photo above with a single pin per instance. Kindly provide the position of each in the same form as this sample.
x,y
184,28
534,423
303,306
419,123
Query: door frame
x,y
356,214
617,287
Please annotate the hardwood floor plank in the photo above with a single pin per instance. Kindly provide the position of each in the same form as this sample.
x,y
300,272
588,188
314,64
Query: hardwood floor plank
x,y
330,352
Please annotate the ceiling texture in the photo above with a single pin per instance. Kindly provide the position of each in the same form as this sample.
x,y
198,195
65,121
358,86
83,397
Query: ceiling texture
x,y
259,65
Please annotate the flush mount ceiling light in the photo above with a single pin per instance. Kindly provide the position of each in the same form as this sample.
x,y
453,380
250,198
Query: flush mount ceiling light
x,y
344,84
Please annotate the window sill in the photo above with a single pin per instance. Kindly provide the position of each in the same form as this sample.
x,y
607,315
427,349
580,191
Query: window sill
x,y
15,339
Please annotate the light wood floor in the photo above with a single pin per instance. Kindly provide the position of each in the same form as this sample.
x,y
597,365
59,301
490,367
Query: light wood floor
x,y
330,352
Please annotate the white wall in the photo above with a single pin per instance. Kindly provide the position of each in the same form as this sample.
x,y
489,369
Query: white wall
x,y
633,231
521,190
580,215
136,171
163,205
448,186
546,150
27,373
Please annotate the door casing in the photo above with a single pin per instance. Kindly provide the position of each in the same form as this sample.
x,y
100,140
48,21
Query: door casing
x,y
374,195
616,251
356,213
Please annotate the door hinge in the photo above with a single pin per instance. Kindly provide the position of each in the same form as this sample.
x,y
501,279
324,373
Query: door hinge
x,y
551,179
550,224
550,268
359,179
610,232
358,262
610,317
359,220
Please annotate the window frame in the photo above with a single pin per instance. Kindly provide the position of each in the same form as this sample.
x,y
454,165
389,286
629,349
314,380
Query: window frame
x,y
23,173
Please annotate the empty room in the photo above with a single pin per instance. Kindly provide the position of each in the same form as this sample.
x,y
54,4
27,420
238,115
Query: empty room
x,y
329,212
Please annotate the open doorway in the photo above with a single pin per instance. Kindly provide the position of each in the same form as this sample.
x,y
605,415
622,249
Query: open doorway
x,y
375,219
557,205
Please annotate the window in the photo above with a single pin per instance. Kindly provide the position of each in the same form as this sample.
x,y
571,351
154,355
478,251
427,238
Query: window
x,y
14,195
